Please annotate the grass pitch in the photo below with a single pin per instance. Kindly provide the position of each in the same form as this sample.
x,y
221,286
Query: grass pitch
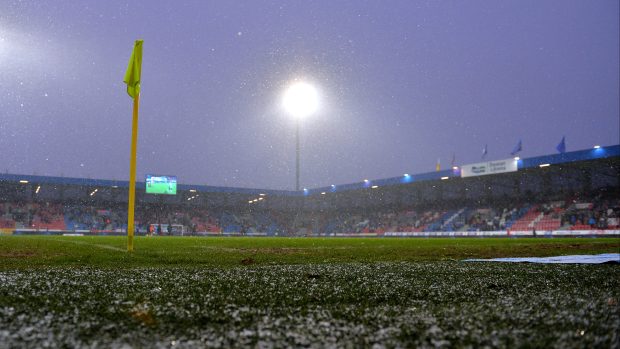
x,y
110,252
263,292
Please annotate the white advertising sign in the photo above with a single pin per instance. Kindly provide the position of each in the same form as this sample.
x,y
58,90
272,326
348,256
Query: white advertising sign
x,y
489,167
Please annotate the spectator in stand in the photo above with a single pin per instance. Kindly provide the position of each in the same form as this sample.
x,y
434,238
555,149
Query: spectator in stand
x,y
592,221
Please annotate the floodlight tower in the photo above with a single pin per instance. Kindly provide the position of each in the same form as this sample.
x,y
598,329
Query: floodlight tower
x,y
300,101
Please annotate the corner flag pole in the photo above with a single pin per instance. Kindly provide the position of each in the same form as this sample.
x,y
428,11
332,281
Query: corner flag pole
x,y
132,174
132,79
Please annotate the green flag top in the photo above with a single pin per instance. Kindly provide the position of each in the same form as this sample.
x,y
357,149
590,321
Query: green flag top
x,y
134,70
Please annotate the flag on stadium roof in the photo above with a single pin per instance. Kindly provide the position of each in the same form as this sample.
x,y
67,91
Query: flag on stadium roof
x,y
517,148
485,151
134,70
561,147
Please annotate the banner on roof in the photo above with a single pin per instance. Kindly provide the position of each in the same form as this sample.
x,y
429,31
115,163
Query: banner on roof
x,y
489,167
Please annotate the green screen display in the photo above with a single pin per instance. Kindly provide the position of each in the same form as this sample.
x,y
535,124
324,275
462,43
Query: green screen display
x,y
161,184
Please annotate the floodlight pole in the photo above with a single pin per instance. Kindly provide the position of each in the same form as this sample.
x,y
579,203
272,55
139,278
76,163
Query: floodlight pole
x,y
297,153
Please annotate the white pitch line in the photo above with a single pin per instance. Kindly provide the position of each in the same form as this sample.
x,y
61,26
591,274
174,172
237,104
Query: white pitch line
x,y
96,245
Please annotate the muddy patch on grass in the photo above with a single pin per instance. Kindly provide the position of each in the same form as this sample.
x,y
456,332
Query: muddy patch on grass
x,y
17,254
248,261
267,250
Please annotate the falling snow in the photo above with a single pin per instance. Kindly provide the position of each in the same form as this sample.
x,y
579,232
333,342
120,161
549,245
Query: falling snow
x,y
414,78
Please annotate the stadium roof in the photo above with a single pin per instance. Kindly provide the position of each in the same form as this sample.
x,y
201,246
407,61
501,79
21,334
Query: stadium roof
x,y
533,162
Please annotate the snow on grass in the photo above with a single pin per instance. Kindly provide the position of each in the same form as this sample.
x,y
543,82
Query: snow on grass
x,y
439,304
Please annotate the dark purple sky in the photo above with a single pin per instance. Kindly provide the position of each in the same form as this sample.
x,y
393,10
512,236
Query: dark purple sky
x,y
402,83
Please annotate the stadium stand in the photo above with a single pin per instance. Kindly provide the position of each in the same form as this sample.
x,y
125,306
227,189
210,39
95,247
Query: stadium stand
x,y
599,213
578,192
596,214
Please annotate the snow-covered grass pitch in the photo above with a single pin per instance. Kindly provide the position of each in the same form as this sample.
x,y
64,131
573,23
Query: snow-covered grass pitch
x,y
263,292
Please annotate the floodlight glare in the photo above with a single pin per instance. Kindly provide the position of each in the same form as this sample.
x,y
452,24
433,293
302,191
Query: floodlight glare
x,y
300,100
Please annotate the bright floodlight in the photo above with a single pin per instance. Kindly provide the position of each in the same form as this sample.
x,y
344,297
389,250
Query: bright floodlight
x,y
300,100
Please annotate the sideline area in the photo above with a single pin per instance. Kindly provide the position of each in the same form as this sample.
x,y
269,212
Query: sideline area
x,y
396,234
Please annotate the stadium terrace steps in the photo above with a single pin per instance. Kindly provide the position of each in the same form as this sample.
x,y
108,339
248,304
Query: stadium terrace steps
x,y
507,217
447,225
536,220
550,221
525,222
460,223
549,224
436,224
514,215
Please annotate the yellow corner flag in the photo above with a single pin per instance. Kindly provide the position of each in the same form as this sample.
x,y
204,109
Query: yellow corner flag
x,y
134,70
438,166
132,79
